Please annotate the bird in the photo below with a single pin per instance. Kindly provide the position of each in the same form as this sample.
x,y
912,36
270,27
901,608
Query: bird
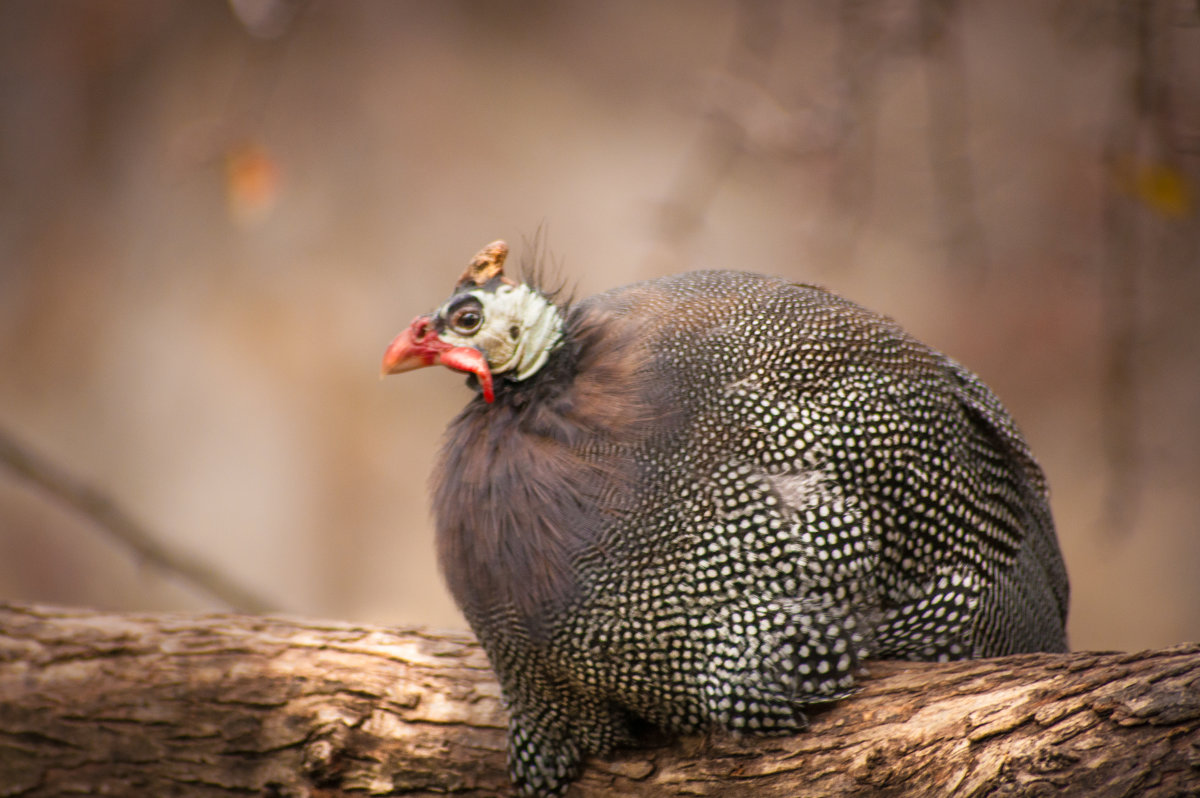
x,y
701,502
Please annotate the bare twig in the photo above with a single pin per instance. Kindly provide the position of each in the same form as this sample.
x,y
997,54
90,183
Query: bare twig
x,y
1122,265
121,527
949,135
861,50
723,138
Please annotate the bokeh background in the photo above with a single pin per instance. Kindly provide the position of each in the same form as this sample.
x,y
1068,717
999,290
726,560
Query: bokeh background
x,y
215,215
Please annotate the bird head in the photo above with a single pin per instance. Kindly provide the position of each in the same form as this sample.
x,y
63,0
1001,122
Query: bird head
x,y
491,325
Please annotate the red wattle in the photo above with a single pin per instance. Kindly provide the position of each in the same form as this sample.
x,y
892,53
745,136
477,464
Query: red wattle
x,y
418,346
465,358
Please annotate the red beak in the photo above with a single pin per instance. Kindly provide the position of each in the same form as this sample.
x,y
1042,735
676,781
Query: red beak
x,y
419,346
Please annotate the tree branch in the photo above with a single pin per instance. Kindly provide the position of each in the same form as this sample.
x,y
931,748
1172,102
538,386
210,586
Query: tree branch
x,y
722,137
122,527
223,705
949,136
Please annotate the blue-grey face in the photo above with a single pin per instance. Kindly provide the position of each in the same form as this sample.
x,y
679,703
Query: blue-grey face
x,y
514,327
495,327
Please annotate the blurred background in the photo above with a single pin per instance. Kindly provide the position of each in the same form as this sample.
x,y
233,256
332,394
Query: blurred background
x,y
214,216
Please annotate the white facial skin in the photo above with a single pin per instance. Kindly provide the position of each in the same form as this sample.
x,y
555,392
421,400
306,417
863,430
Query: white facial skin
x,y
515,327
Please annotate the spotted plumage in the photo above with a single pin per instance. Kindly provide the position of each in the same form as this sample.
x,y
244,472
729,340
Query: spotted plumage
x,y
714,496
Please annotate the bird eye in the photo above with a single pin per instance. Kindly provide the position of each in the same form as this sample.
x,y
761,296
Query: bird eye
x,y
466,320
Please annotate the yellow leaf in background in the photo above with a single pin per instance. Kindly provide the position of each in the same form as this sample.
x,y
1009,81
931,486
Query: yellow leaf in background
x,y
1163,188
252,180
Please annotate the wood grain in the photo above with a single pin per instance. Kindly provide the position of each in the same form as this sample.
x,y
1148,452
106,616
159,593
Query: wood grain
x,y
234,705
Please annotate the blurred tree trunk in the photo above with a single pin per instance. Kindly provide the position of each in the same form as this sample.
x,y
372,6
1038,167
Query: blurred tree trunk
x,y
224,705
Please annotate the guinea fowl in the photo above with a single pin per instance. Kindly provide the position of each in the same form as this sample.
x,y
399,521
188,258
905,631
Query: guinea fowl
x,y
701,501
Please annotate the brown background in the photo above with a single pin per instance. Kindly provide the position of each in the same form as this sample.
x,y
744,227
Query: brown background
x,y
214,216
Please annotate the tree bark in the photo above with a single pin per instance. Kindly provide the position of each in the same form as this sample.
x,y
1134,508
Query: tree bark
x,y
225,705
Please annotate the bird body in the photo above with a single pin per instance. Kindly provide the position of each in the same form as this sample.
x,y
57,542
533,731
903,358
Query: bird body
x,y
712,498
